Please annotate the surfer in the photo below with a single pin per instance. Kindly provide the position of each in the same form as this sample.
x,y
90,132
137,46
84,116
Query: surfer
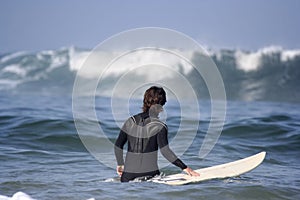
x,y
144,134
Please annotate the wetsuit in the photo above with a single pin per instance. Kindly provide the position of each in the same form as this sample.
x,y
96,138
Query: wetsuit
x,y
144,135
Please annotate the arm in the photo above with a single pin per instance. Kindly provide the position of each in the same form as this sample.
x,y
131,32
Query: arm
x,y
163,144
119,144
162,140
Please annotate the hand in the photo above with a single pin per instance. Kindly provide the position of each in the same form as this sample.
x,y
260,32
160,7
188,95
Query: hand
x,y
120,169
191,172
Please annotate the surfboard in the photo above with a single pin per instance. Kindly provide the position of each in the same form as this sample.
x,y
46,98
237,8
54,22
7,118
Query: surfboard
x,y
231,169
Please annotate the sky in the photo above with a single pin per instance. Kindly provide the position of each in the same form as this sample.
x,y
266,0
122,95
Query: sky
x,y
34,25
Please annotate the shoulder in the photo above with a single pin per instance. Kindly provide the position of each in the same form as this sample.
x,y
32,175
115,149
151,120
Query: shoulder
x,y
129,124
159,124
135,118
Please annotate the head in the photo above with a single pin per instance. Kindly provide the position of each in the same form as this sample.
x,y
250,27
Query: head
x,y
154,96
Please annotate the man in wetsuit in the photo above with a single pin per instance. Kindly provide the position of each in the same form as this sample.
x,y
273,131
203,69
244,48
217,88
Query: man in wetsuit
x,y
145,133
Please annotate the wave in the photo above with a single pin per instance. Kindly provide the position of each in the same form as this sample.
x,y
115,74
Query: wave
x,y
272,133
268,74
46,131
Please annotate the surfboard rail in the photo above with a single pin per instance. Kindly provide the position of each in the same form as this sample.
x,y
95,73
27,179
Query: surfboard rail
x,y
221,171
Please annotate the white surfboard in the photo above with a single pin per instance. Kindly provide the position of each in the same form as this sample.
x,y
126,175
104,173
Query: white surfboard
x,y
226,170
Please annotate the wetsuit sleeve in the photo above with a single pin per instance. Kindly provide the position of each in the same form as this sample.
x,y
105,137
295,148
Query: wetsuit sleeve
x,y
119,144
162,140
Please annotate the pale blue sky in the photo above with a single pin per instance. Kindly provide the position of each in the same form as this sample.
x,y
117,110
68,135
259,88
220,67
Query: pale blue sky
x,y
33,25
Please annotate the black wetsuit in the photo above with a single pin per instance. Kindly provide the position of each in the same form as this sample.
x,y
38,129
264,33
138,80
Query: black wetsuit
x,y
144,135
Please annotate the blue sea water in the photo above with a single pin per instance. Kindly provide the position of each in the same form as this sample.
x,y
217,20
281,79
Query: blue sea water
x,y
42,155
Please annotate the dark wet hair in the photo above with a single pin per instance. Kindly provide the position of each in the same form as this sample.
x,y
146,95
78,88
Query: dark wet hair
x,y
154,95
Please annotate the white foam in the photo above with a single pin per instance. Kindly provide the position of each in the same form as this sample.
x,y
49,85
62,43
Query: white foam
x,y
22,196
57,58
289,55
57,61
16,69
47,52
270,50
17,196
12,56
247,61
93,62
76,59
251,61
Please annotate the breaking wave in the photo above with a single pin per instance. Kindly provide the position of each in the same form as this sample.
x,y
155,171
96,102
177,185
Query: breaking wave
x,y
268,74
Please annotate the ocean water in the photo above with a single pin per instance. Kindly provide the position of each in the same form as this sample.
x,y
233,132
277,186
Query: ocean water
x,y
42,155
